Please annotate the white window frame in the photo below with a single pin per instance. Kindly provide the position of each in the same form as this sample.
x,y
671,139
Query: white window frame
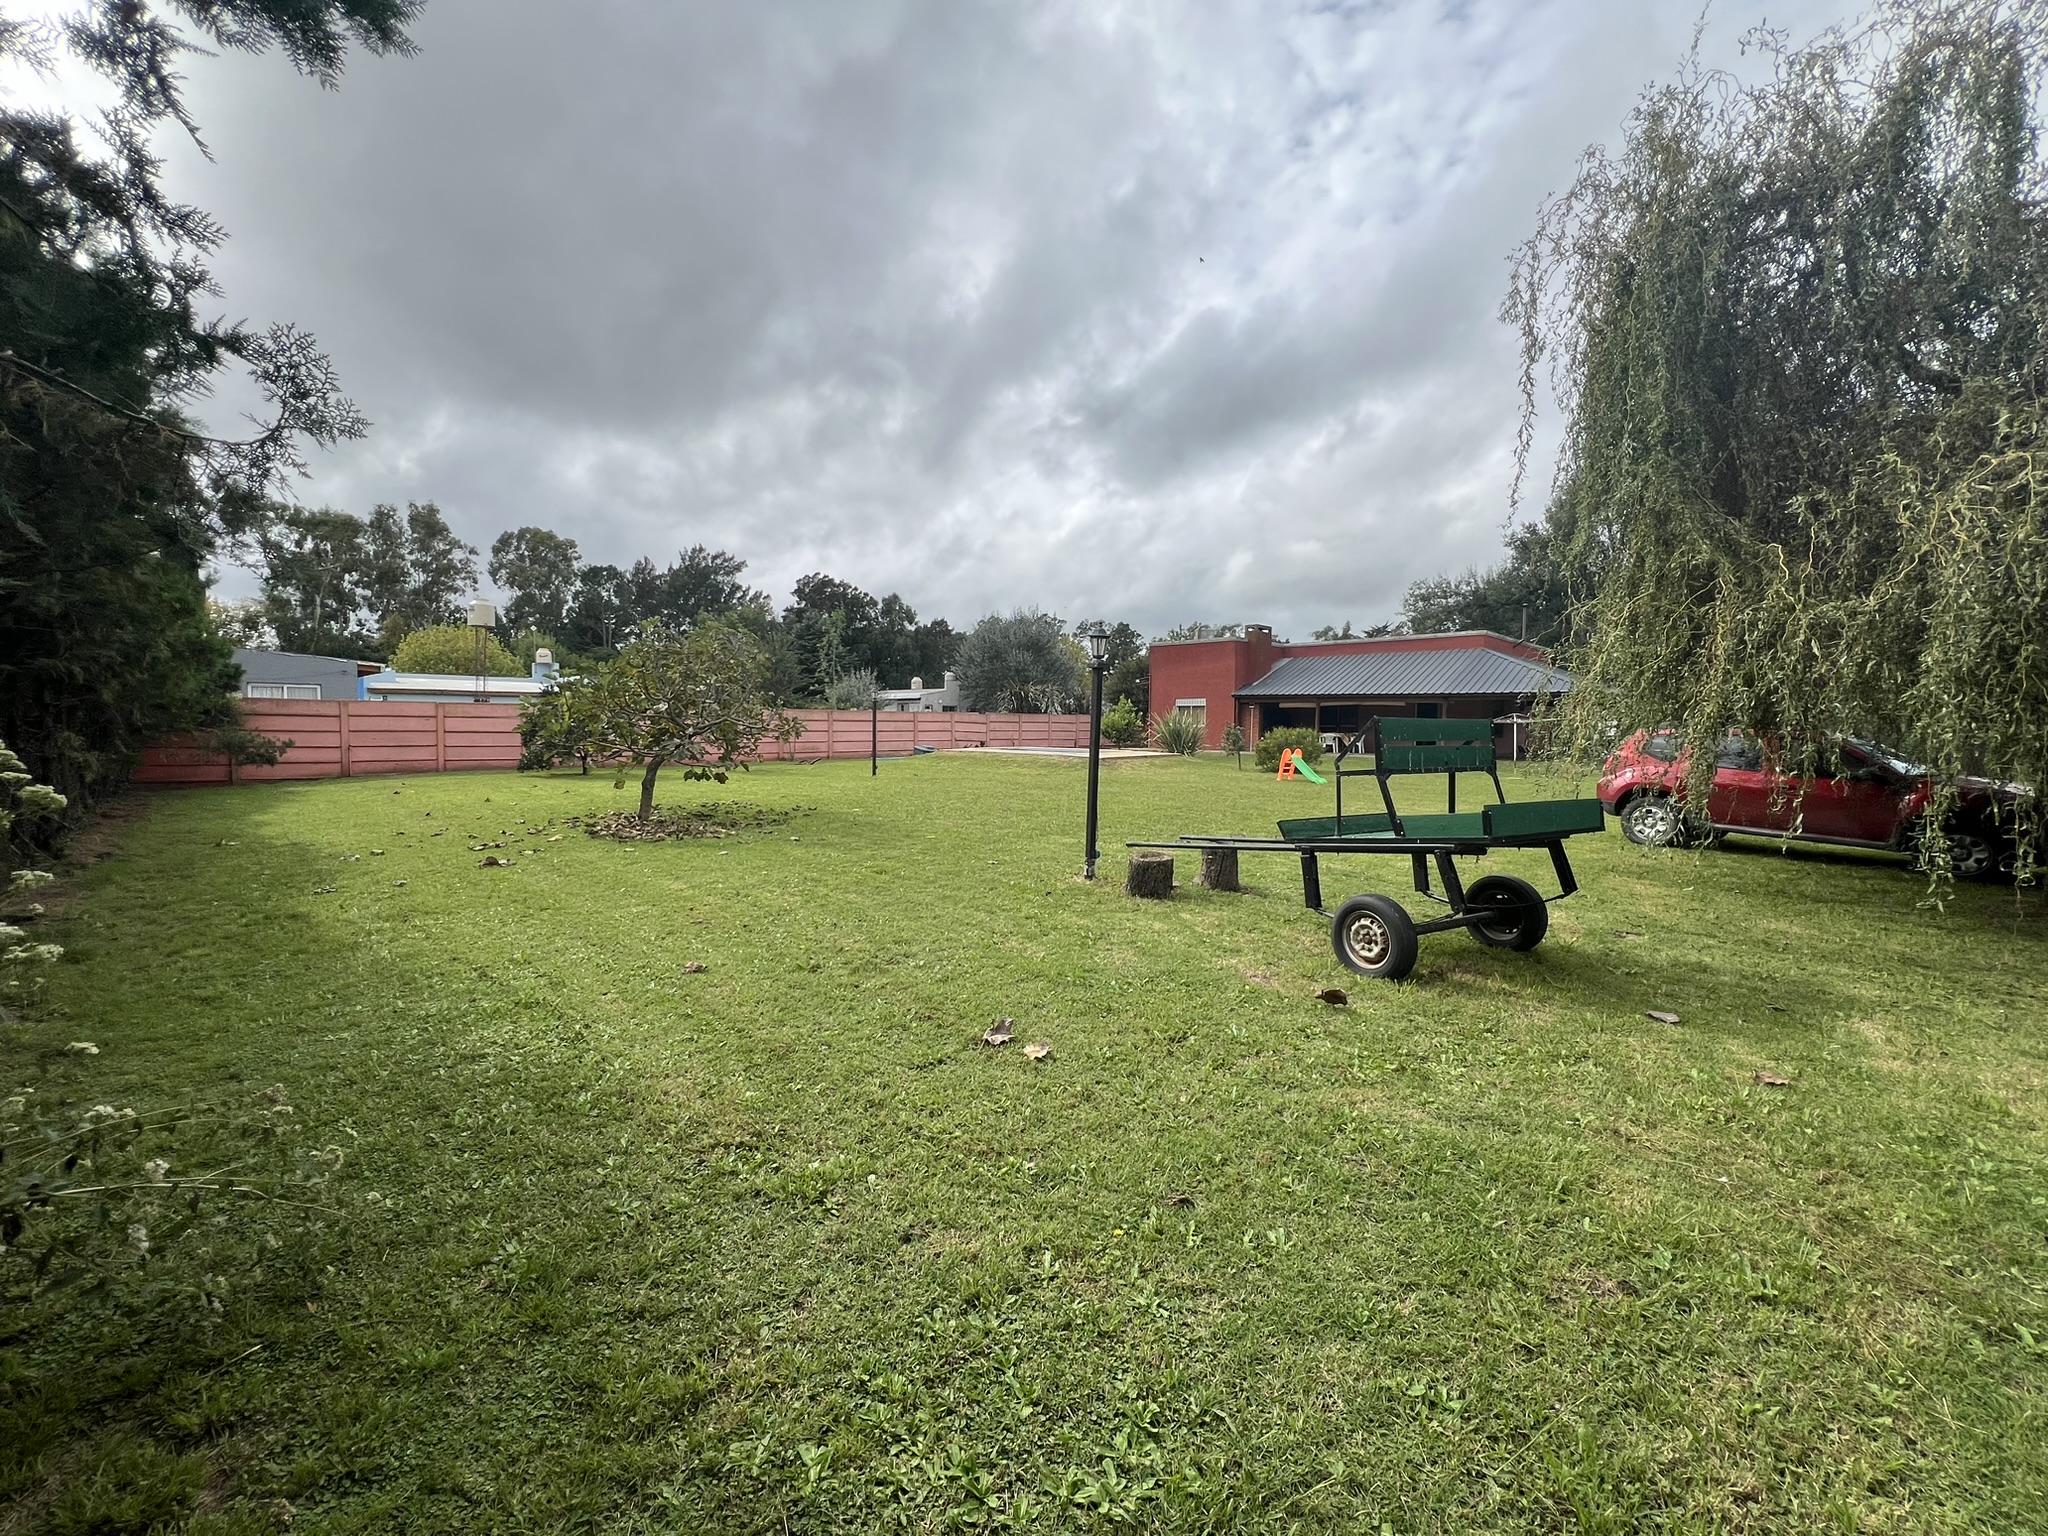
x,y
280,690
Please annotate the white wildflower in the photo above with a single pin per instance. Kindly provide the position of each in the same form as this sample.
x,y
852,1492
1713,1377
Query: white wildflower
x,y
138,1239
21,879
87,1048
9,934
157,1168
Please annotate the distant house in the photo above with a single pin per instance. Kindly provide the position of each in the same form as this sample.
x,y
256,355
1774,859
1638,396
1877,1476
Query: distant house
x,y
460,688
918,697
1334,687
296,675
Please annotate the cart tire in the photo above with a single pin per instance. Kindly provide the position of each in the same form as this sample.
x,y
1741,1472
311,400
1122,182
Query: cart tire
x,y
1520,916
1374,936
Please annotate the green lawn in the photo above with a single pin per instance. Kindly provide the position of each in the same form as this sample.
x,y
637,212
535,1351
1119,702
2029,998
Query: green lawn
x,y
778,1246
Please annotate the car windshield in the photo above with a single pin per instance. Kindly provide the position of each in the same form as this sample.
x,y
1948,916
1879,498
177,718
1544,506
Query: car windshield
x,y
1878,752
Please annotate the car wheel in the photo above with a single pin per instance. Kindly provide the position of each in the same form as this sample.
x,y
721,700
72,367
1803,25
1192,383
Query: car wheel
x,y
1973,855
1517,916
1652,820
1374,936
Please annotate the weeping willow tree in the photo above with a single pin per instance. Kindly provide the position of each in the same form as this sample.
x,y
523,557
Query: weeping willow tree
x,y
1799,331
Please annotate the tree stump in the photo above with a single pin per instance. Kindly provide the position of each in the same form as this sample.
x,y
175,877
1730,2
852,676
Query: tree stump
x,y
1219,869
1151,875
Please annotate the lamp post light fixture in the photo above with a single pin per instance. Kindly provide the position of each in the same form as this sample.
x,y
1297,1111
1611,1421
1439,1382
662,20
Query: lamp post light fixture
x,y
1096,638
483,618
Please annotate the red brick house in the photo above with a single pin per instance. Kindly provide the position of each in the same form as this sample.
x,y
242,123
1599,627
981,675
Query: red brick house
x,y
1335,686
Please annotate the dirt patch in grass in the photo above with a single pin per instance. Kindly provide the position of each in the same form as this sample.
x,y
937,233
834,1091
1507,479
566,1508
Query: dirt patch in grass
x,y
720,818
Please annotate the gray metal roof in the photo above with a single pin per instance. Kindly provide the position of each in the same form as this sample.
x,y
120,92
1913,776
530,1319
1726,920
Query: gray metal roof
x,y
1474,672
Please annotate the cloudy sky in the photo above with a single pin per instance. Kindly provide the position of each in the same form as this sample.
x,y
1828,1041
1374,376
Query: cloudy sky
x,y
1157,311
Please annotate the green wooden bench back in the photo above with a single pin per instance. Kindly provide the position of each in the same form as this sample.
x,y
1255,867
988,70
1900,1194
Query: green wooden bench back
x,y
1544,818
1434,746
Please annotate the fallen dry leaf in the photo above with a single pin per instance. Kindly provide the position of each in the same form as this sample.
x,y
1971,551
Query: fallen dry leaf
x,y
492,861
1624,933
1038,1050
694,967
1336,997
1180,1199
1661,1018
1772,1080
999,1032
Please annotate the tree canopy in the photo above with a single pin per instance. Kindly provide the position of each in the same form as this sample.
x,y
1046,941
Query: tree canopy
x,y
110,502
1799,330
1020,663
694,698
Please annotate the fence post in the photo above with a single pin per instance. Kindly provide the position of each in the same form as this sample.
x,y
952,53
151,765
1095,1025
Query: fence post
x,y
440,738
342,736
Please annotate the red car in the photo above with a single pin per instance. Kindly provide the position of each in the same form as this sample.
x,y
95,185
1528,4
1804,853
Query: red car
x,y
1865,796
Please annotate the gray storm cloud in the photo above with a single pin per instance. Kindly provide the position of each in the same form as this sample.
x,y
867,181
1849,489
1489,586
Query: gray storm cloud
x,y
1156,311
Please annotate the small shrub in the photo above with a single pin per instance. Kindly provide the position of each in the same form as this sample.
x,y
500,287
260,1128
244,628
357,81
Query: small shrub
x,y
1123,726
1299,737
1233,741
1180,731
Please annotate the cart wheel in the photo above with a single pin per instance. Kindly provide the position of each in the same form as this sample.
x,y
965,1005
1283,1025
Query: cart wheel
x,y
1374,936
1519,916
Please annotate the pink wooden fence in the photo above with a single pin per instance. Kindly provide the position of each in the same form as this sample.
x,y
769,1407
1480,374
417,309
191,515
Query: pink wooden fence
x,y
338,739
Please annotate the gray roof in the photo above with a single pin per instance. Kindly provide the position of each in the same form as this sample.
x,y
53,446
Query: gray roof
x,y
1474,673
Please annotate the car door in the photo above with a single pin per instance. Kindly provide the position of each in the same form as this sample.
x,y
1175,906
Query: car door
x,y
1855,798
1741,796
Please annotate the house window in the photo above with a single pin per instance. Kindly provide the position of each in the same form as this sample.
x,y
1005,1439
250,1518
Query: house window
x,y
1429,711
280,690
1199,708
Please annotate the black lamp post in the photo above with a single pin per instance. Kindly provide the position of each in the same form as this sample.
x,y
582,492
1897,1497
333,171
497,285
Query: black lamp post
x,y
1097,640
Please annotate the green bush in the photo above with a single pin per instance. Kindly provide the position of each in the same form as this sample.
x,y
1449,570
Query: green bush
x,y
1122,725
450,649
1233,741
1179,732
1300,737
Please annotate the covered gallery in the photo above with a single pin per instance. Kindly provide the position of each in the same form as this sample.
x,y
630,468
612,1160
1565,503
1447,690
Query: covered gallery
x,y
1336,686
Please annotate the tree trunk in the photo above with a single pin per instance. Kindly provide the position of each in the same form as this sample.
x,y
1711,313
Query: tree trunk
x,y
1219,869
647,788
1151,874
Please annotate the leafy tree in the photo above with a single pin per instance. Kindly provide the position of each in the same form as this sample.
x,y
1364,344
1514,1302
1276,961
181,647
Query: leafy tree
x,y
1130,682
1233,742
853,690
539,569
1370,632
558,725
313,582
1202,631
601,612
1526,596
703,583
1021,663
1800,328
244,623
414,570
836,628
109,503
695,698
1130,670
451,649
